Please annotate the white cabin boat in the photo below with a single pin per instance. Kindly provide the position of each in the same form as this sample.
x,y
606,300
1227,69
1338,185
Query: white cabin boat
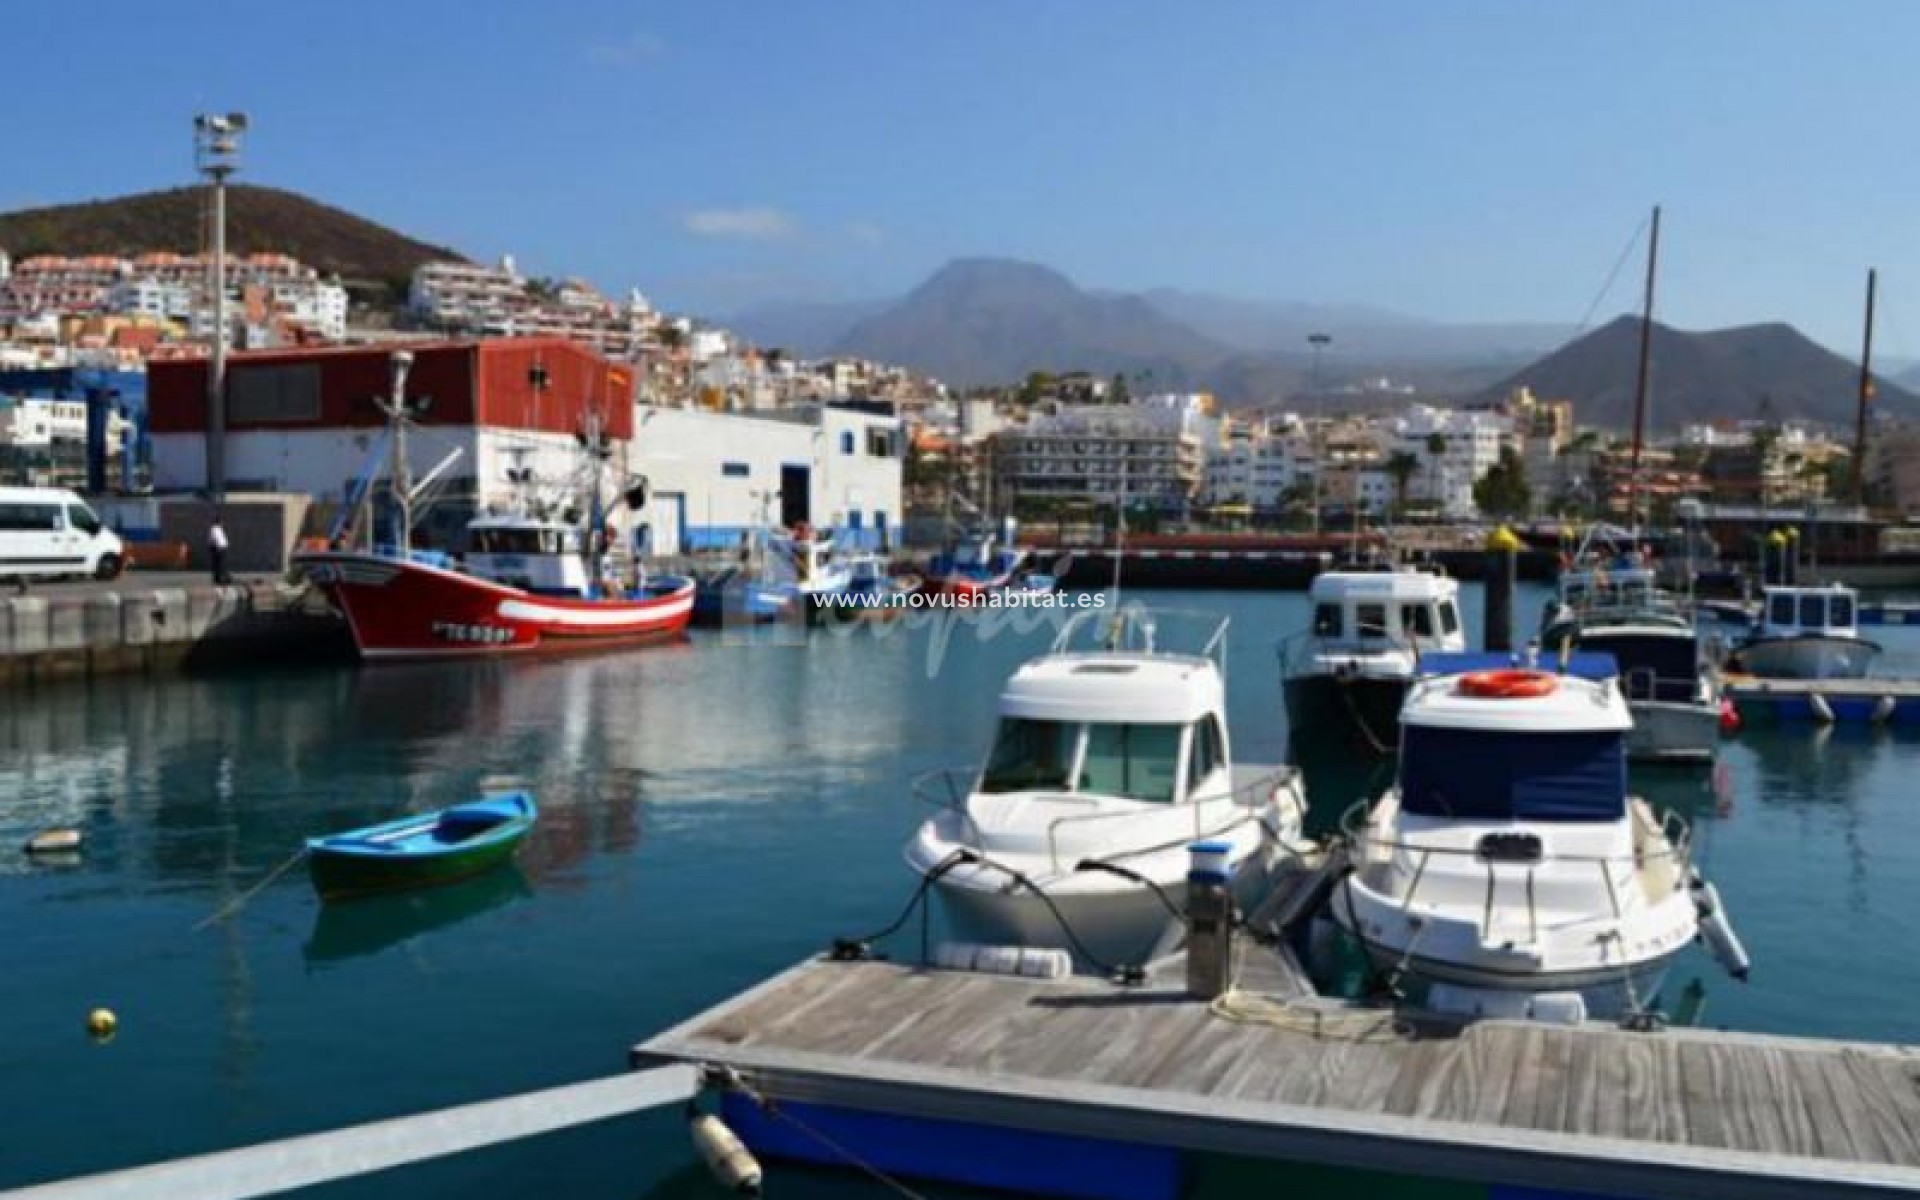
x,y
1346,676
1109,762
1806,632
1508,872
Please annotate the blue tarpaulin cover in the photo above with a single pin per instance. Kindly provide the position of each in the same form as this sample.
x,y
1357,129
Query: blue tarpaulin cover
x,y
1506,775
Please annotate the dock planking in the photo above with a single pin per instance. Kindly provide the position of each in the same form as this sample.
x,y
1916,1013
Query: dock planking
x,y
1594,1109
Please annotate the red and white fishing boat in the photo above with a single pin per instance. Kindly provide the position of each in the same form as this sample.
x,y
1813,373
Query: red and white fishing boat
x,y
975,563
525,587
537,578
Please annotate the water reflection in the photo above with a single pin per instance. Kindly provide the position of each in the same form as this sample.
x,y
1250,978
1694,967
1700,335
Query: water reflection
x,y
378,923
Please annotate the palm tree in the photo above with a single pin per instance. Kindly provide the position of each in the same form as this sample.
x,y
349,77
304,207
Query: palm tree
x,y
1401,464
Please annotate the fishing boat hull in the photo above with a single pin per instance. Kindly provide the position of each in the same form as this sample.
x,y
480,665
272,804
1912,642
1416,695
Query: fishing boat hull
x,y
403,609
1807,656
422,851
1673,732
1359,712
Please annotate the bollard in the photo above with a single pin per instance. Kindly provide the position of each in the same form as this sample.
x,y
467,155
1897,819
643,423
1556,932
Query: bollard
x,y
1503,553
1209,921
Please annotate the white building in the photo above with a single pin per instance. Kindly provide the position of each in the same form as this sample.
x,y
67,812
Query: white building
x,y
1153,451
1256,465
32,423
1455,448
715,477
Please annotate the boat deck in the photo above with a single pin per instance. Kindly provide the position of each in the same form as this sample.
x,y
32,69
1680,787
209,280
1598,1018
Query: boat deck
x,y
1590,1109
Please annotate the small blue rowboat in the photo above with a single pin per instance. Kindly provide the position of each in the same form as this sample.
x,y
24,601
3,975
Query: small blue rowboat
x,y
422,850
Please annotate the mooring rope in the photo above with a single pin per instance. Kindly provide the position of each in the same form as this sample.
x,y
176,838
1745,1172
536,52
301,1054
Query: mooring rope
x,y
233,906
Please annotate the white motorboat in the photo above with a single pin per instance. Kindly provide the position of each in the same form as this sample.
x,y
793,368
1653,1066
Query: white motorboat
x,y
1110,760
1347,675
1508,872
1806,632
1613,604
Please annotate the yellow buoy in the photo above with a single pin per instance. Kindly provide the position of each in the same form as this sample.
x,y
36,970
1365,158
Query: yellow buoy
x,y
101,1023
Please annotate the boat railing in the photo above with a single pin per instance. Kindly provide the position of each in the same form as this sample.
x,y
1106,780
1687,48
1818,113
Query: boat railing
x,y
1136,628
1357,826
1214,813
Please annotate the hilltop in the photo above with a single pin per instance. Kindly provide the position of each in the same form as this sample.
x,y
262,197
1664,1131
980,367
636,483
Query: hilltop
x,y
369,257
1746,372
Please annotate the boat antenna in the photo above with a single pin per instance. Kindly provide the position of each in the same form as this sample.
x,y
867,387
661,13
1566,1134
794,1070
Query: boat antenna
x,y
1640,381
1865,399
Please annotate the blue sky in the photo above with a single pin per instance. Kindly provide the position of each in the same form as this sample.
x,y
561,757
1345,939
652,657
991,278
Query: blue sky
x,y
1456,159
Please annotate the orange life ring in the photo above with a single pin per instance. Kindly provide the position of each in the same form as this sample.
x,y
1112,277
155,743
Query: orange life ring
x,y
1508,685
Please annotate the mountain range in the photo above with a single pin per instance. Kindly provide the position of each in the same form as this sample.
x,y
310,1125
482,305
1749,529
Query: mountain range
x,y
1749,372
373,260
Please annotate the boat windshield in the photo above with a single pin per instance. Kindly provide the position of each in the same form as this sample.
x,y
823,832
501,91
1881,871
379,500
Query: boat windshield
x,y
1134,761
1481,775
528,540
1029,755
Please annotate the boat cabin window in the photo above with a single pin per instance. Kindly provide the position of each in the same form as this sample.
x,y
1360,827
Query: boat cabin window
x,y
1031,755
1840,611
1139,762
517,541
1449,618
1209,752
1813,612
1370,620
1416,620
1780,610
1506,775
1326,620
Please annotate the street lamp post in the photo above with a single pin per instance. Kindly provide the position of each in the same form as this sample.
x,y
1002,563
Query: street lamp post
x,y
216,155
1319,342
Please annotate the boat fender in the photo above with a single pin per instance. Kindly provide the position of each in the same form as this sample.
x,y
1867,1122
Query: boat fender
x,y
1729,717
1716,931
54,841
1822,711
1883,709
733,1166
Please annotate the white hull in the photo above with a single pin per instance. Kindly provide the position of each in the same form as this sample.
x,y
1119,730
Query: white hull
x,y
1670,732
1607,992
1808,656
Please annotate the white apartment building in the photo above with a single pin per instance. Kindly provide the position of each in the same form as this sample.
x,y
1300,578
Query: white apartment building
x,y
1455,448
1154,451
32,423
1256,465
466,295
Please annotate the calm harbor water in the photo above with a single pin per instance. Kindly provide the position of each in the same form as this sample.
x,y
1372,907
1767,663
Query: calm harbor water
x,y
711,812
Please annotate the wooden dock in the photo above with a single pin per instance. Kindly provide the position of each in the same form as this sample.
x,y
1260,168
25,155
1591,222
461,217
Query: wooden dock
x,y
1588,1109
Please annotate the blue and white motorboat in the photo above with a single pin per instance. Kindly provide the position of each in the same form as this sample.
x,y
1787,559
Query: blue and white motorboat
x,y
1508,872
1806,632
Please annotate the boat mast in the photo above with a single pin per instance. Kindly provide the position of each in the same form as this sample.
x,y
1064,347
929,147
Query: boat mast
x,y
1640,382
398,364
1865,399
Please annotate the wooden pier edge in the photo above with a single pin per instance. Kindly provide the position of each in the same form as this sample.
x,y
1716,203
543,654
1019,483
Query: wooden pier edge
x,y
1196,1121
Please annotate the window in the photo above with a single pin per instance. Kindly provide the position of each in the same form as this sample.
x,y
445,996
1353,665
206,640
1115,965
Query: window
x,y
1030,754
735,470
29,518
1780,610
1207,755
1813,612
1370,620
1841,611
1417,620
880,443
80,517
1137,762
1326,620
1449,618
846,441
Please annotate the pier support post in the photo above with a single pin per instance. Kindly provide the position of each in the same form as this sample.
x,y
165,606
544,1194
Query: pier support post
x,y
1503,556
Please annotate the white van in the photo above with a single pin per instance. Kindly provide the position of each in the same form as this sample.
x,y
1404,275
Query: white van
x,y
49,532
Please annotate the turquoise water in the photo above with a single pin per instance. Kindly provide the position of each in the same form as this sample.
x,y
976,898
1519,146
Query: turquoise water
x,y
711,813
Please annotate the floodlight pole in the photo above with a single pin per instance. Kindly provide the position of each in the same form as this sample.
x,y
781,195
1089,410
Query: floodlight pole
x,y
216,146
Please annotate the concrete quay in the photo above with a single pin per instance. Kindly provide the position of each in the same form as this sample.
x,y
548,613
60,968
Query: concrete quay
x,y
159,623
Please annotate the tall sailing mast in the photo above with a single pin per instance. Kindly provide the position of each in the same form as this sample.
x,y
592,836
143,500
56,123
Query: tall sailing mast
x,y
1640,384
1865,399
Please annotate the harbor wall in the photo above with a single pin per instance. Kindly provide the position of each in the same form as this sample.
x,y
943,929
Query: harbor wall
x,y
85,633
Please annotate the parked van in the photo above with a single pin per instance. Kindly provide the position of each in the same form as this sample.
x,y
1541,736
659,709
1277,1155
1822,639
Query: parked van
x,y
49,532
